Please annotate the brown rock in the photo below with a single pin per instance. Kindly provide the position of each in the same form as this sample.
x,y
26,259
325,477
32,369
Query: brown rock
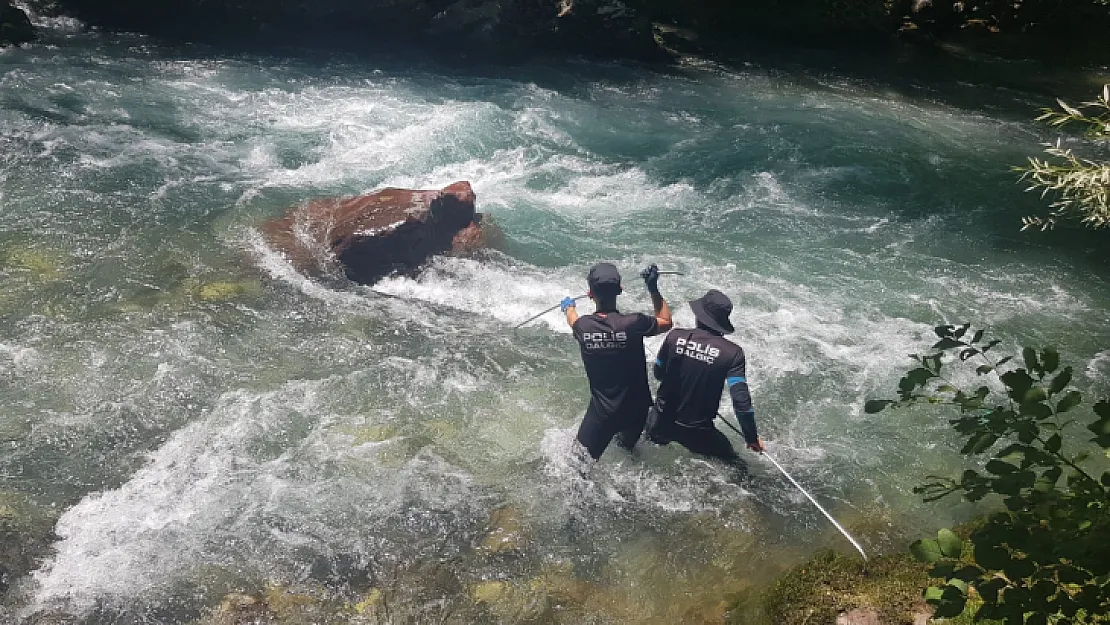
x,y
372,236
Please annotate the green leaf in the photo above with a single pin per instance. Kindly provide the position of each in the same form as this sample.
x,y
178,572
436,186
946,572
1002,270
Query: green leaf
x,y
999,467
992,557
1060,382
943,331
949,543
926,550
952,602
979,443
1018,381
1019,568
968,353
989,589
1069,401
1036,410
1046,481
873,406
948,343
1029,355
942,569
967,573
1050,359
961,331
984,369
978,336
958,584
1003,361
1102,409
1033,395
933,594
1053,443
1100,427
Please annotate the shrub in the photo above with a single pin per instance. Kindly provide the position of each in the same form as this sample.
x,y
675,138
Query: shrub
x,y
1045,558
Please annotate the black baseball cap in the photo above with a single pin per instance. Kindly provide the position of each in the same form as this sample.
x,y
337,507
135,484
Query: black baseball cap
x,y
604,279
712,310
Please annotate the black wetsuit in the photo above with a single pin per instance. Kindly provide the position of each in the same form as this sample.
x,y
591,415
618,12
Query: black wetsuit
x,y
694,366
612,348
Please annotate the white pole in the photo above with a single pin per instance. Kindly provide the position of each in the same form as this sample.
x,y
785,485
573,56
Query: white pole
x,y
823,511
804,492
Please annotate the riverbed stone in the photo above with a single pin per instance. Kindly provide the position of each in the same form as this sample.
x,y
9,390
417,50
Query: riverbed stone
x,y
371,236
506,532
15,26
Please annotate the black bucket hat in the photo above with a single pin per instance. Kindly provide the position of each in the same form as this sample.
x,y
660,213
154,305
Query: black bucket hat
x,y
604,279
712,310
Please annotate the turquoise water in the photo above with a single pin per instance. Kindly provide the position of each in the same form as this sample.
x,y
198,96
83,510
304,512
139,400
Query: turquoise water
x,y
203,420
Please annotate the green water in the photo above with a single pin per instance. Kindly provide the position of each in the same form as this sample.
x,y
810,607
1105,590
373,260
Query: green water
x,y
203,420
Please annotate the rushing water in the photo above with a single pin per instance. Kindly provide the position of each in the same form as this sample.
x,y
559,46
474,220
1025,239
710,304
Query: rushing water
x,y
203,420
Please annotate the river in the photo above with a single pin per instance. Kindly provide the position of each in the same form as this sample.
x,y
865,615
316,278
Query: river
x,y
202,420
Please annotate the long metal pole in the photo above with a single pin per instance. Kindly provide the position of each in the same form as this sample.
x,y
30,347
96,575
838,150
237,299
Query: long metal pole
x,y
806,493
547,310
544,312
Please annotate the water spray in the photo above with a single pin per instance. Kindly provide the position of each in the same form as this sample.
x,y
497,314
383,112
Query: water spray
x,y
806,493
547,310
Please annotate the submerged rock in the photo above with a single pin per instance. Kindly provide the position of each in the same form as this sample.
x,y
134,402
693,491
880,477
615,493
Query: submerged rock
x,y
26,536
371,236
15,26
506,532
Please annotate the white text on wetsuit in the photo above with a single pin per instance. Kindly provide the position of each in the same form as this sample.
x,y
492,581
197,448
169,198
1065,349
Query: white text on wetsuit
x,y
604,340
695,350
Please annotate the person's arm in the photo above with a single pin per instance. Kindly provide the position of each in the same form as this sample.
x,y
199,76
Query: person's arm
x,y
570,309
662,310
660,366
737,381
663,321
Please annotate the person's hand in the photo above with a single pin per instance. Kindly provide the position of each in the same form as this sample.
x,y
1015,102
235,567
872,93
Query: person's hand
x,y
651,278
757,446
568,302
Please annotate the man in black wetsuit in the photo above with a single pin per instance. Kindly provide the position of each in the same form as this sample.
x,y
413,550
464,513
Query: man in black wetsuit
x,y
612,345
693,367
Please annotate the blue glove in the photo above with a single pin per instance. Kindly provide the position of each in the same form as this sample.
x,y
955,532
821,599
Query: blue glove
x,y
651,278
568,302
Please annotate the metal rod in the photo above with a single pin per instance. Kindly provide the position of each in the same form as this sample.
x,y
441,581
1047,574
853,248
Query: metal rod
x,y
806,493
544,312
547,310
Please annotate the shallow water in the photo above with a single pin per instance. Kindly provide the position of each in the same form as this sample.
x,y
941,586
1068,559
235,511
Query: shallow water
x,y
205,420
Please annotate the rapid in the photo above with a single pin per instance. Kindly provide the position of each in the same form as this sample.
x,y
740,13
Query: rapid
x,y
199,419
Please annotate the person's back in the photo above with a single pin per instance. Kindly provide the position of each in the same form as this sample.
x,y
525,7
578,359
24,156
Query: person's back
x,y
695,374
612,346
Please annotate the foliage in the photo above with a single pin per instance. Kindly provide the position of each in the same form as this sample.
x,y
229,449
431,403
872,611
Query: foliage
x,y
1082,186
1046,557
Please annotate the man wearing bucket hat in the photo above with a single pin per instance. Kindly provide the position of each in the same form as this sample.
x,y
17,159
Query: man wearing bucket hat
x,y
612,347
693,367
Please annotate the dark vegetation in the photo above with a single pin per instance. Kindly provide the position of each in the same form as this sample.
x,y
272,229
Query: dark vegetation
x,y
644,29
1044,556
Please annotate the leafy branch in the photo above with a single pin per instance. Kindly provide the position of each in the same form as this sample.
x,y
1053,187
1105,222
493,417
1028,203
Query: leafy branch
x,y
1046,557
1081,186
